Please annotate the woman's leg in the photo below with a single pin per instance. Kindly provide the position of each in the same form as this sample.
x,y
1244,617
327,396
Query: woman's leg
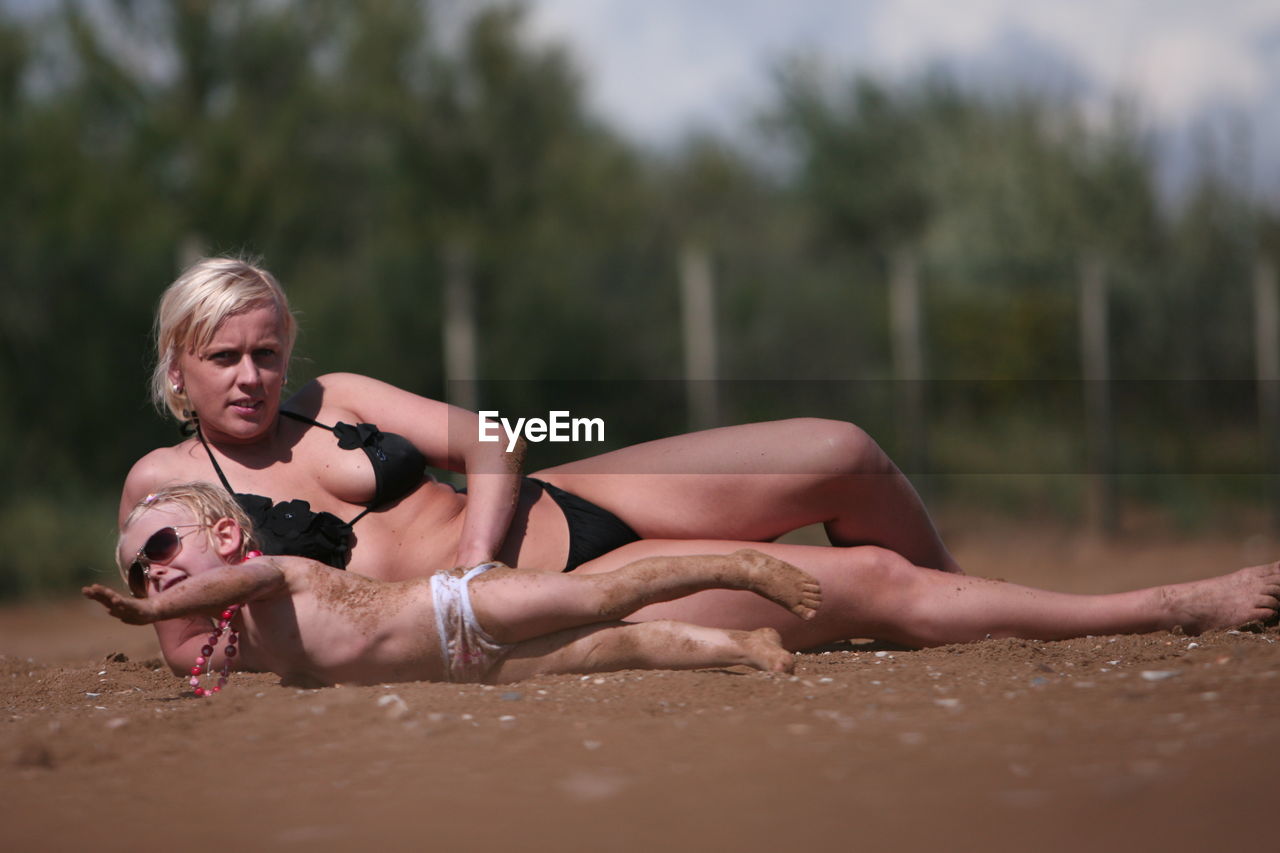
x,y
648,645
513,606
802,471
872,592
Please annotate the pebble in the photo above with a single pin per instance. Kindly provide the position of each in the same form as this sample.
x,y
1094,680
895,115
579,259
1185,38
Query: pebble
x,y
511,696
947,703
396,707
1158,674
592,786
34,755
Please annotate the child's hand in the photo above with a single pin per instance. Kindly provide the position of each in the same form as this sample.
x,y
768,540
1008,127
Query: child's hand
x,y
133,611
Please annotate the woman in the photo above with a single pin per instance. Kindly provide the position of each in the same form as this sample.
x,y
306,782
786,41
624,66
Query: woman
x,y
223,339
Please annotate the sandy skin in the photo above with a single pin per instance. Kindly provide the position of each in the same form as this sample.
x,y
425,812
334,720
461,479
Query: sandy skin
x,y
310,623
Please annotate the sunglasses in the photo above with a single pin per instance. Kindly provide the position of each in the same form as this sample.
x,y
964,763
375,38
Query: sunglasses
x,y
161,547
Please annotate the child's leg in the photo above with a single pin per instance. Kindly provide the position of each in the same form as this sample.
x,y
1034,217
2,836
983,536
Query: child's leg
x,y
513,606
646,645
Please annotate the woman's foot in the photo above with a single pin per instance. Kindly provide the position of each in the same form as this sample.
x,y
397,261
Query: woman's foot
x,y
1248,595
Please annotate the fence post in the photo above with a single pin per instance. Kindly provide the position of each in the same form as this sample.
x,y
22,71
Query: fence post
x,y
698,316
1266,301
907,342
1096,362
459,329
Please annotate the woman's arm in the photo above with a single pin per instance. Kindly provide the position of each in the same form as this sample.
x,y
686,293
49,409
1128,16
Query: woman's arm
x,y
491,502
449,437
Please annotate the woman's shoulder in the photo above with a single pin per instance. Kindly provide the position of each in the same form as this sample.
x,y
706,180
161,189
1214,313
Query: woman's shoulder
x,y
163,461
160,467
330,389
346,383
351,394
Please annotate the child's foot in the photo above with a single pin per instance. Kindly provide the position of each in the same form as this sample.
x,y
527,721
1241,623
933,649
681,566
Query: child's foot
x,y
779,581
764,651
1247,595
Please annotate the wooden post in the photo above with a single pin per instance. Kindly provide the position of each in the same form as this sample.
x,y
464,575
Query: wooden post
x,y
697,308
1096,362
1266,301
907,343
459,330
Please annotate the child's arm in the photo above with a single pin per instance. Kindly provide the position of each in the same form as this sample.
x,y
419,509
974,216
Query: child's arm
x,y
204,594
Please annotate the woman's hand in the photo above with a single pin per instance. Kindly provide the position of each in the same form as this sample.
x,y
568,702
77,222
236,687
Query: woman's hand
x,y
449,438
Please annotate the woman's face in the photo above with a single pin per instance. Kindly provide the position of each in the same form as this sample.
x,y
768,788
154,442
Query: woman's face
x,y
233,383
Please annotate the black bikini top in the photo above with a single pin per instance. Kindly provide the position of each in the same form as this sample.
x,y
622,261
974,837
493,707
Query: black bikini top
x,y
291,527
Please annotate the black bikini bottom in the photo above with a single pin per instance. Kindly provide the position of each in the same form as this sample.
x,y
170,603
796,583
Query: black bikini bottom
x,y
593,530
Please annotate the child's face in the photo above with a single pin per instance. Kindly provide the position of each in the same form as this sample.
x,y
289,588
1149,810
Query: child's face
x,y
193,555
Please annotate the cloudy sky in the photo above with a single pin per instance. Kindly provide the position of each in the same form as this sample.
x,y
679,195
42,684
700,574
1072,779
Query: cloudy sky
x,y
658,67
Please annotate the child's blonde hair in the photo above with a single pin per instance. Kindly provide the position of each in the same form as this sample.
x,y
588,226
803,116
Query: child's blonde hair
x,y
205,502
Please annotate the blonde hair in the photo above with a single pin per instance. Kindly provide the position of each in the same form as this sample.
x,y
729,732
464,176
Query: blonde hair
x,y
205,502
192,308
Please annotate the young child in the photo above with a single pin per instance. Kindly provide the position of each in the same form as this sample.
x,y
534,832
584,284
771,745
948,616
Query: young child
x,y
186,552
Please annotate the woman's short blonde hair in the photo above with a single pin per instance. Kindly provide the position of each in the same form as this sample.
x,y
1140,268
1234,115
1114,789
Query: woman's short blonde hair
x,y
204,502
192,308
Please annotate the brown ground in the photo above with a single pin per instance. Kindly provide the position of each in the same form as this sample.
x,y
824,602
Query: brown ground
x,y
1156,742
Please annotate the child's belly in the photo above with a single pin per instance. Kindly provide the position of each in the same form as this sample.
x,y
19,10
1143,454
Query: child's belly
x,y
350,630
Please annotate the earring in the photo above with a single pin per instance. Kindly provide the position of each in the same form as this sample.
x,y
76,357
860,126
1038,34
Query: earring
x,y
177,389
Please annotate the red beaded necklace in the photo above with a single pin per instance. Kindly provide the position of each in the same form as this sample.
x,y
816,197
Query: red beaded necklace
x,y
206,651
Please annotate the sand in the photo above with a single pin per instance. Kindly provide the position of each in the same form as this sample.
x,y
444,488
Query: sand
x,y
1152,742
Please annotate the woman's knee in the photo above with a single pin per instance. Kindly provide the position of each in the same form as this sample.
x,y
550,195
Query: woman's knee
x,y
842,447
883,581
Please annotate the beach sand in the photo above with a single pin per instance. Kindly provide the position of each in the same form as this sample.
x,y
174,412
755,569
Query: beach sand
x,y
1153,742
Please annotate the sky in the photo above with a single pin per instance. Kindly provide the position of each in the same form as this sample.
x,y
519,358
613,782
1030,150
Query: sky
x,y
658,68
